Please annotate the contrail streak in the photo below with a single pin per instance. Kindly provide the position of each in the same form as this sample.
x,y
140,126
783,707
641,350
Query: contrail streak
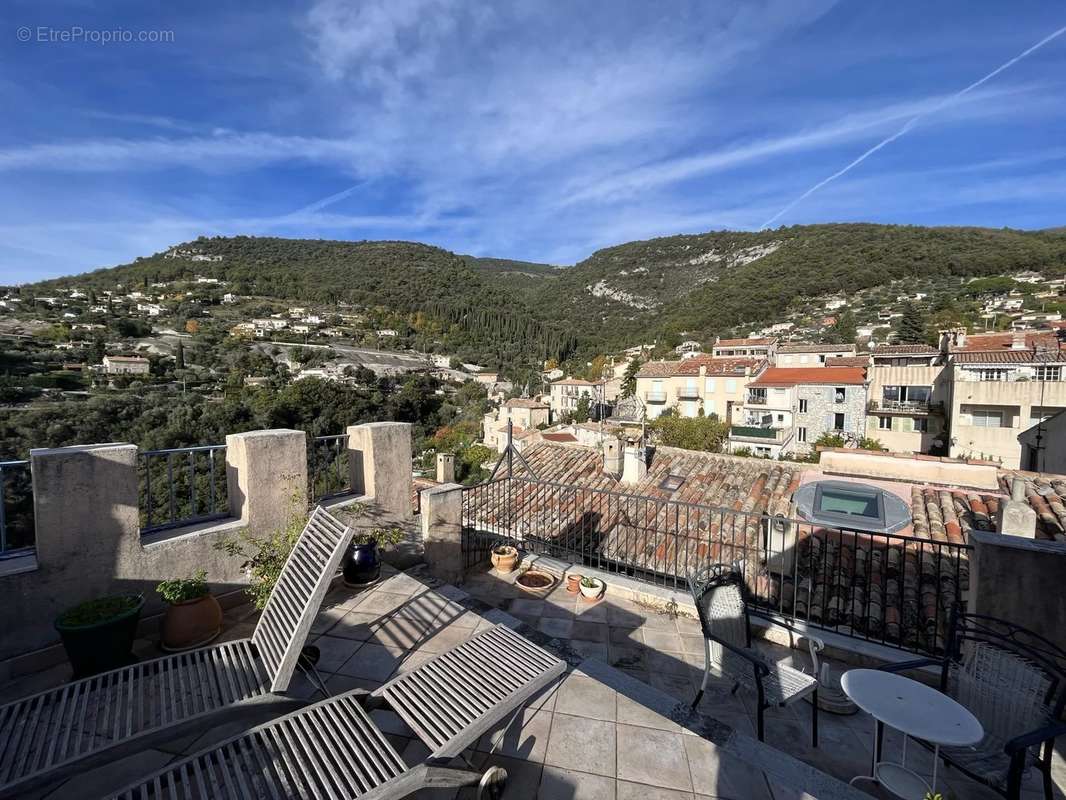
x,y
318,205
909,124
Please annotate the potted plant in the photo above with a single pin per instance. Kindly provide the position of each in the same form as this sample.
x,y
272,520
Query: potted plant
x,y
504,558
592,588
98,634
193,617
573,583
362,563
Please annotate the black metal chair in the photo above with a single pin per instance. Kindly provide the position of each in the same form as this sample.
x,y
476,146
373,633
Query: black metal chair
x,y
721,602
1014,682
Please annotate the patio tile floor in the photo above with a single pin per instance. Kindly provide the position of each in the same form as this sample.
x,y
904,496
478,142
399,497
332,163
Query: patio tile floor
x,y
619,733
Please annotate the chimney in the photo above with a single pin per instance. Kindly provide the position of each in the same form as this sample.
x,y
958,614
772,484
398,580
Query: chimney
x,y
703,370
1017,341
612,456
634,464
445,468
1016,516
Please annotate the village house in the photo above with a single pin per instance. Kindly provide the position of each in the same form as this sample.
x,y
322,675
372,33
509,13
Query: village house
x,y
523,413
125,365
703,385
786,410
1002,385
763,347
910,388
565,395
811,355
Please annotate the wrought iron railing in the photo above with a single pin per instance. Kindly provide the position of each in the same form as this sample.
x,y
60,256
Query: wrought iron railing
x,y
653,396
328,469
182,486
906,406
756,400
16,509
888,588
755,432
688,393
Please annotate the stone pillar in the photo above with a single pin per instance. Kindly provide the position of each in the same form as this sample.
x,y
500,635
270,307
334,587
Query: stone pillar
x,y
379,456
635,466
445,468
266,472
1016,516
442,524
85,508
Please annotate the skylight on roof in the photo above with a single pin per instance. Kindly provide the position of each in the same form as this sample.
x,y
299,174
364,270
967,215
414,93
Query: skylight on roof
x,y
671,483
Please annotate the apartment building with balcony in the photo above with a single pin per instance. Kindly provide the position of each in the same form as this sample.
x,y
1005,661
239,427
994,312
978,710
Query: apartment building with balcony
x,y
693,385
786,409
1003,384
811,355
910,393
565,394
763,347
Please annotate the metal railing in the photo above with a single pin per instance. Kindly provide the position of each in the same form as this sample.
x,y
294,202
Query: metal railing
x,y
888,588
688,393
655,397
16,509
906,406
328,467
755,432
756,400
182,486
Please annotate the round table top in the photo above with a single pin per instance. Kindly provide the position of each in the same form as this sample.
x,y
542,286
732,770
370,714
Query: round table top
x,y
911,707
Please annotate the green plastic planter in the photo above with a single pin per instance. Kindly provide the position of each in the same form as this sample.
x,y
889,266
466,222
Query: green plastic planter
x,y
104,644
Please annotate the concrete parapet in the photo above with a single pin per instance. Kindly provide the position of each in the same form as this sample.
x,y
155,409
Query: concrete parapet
x,y
442,525
267,476
380,462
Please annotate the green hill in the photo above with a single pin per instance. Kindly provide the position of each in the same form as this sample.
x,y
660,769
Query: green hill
x,y
704,284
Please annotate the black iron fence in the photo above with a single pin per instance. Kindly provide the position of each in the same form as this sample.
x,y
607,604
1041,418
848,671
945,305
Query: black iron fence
x,y
182,486
888,588
16,509
328,470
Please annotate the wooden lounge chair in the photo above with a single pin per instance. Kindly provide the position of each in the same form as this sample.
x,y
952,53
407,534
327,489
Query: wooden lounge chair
x,y
55,733
720,596
333,749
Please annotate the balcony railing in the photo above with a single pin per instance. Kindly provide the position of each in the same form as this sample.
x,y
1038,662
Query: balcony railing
x,y
892,589
183,486
756,400
755,432
655,397
16,509
688,393
906,406
327,469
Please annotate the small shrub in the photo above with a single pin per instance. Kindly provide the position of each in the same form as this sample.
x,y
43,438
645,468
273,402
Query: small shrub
x,y
180,590
383,536
101,609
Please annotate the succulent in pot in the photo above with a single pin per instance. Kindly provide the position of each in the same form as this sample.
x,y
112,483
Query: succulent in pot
x,y
504,558
193,616
592,588
362,564
98,634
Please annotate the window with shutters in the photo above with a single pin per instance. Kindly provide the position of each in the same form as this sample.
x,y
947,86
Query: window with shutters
x,y
840,394
803,405
839,422
884,423
921,424
801,434
987,418
1049,373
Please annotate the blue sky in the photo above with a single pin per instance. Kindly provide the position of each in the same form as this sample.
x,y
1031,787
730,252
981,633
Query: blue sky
x,y
530,130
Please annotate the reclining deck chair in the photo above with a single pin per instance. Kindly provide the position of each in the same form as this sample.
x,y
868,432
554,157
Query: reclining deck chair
x,y
57,732
333,749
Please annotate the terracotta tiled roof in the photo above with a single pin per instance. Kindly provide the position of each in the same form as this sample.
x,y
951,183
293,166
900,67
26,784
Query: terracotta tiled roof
x,y
999,342
786,376
847,361
658,369
572,382
691,366
760,342
524,402
1010,357
565,438
905,350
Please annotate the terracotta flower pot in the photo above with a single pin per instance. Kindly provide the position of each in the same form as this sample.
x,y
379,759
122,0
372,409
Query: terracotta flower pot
x,y
504,558
192,623
573,584
590,594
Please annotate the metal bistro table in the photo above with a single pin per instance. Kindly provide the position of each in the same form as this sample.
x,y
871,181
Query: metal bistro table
x,y
915,710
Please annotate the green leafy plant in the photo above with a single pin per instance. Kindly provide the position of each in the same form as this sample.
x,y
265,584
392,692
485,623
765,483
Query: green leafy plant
x,y
181,590
100,609
590,582
383,536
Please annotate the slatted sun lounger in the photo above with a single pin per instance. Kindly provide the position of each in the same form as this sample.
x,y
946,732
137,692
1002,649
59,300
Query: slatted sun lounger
x,y
334,750
55,733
